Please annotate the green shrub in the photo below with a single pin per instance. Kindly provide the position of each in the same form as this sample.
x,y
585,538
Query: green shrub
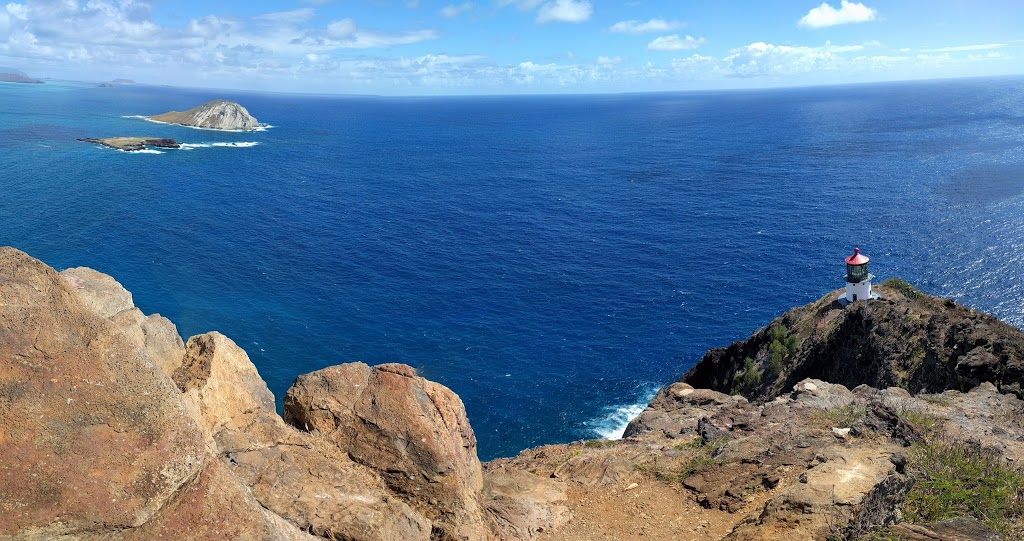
x,y
598,444
958,479
749,379
903,287
784,345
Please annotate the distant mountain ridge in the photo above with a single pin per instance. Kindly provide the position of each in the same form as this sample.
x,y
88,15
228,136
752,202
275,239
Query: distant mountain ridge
x,y
11,75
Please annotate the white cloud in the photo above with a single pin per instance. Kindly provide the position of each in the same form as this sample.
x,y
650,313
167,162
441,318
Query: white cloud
x,y
609,60
675,43
565,11
784,61
637,27
848,12
98,36
295,16
454,10
984,47
345,34
342,28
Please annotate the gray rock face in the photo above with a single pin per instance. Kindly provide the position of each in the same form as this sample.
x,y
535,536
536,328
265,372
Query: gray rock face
x,y
215,115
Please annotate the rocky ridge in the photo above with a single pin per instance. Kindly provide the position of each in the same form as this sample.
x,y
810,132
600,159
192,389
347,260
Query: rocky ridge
x,y
904,339
116,428
214,115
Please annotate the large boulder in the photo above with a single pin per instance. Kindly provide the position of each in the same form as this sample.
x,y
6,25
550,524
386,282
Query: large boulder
x,y
303,480
97,442
414,432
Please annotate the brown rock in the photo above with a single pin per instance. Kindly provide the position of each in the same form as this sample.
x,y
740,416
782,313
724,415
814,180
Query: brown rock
x,y
100,292
594,469
91,436
109,299
957,529
678,408
326,493
524,505
305,481
412,431
218,378
214,506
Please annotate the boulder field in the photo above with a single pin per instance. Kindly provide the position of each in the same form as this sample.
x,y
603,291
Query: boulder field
x,y
113,427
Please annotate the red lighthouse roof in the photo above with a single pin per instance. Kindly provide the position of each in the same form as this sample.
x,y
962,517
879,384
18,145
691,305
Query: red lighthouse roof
x,y
857,258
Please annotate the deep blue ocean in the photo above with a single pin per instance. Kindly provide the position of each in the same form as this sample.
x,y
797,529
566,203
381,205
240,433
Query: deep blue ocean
x,y
553,259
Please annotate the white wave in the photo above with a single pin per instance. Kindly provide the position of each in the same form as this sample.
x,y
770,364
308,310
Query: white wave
x,y
191,146
614,419
243,144
143,151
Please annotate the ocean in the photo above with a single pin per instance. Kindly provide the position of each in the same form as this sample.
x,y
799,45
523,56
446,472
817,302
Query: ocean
x,y
552,259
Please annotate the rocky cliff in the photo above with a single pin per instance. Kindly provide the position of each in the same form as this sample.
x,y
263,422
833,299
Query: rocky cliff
x,y
905,339
215,115
113,427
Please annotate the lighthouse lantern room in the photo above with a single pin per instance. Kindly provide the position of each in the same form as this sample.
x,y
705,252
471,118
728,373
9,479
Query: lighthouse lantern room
x,y
858,279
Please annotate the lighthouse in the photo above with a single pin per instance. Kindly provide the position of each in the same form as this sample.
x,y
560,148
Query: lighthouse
x,y
858,279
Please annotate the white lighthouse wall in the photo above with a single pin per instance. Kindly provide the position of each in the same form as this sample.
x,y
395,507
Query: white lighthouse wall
x,y
862,290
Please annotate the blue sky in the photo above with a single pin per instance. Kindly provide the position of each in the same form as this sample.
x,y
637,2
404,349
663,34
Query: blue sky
x,y
425,47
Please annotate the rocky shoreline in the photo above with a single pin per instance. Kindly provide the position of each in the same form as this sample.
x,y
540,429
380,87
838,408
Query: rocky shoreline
x,y
116,428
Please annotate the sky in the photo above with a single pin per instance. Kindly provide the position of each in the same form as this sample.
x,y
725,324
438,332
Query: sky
x,y
425,47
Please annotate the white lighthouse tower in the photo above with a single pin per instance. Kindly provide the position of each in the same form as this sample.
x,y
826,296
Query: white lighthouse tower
x,y
858,279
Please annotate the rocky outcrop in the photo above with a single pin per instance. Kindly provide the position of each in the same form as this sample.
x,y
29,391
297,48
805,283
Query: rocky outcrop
x,y
215,115
905,339
114,428
96,440
414,431
821,462
133,144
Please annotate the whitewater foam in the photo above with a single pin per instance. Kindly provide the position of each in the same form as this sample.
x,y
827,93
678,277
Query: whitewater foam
x,y
143,151
612,423
242,144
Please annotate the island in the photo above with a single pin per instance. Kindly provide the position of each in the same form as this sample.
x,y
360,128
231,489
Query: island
x,y
214,115
131,144
8,75
118,82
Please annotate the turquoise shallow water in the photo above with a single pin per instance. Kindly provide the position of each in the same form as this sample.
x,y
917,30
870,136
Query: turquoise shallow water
x,y
554,260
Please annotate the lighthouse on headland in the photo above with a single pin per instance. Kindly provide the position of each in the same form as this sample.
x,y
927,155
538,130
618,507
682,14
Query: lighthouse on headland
x,y
858,279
